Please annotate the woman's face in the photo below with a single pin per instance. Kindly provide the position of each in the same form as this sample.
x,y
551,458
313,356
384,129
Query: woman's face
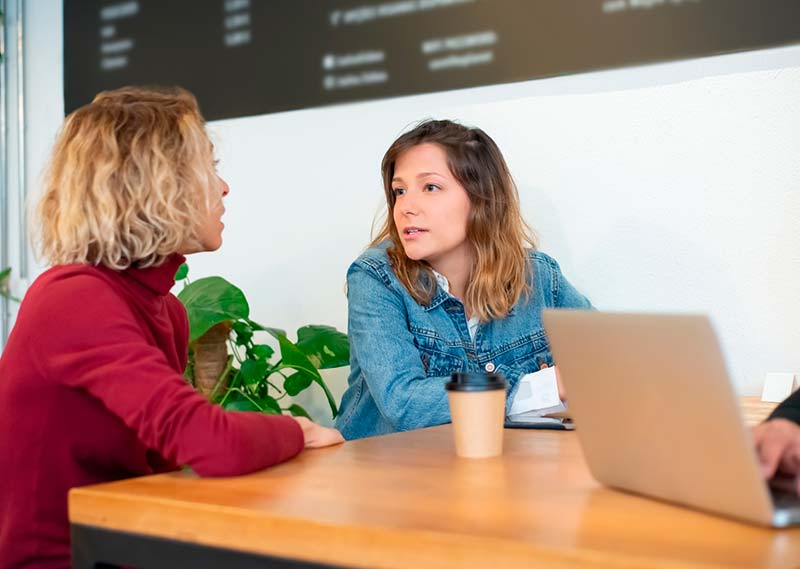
x,y
209,232
431,209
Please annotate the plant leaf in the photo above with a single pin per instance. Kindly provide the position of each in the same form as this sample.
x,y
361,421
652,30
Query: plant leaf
x,y
274,332
244,333
4,289
298,411
238,402
252,371
325,346
182,272
212,300
292,357
297,382
4,275
263,351
271,405
256,326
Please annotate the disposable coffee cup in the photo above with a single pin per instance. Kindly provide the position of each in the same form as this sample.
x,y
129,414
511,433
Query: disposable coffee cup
x,y
477,408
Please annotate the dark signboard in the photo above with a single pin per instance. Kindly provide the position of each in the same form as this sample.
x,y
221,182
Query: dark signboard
x,y
245,57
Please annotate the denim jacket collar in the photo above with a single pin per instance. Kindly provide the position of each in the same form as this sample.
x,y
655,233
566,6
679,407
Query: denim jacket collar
x,y
441,294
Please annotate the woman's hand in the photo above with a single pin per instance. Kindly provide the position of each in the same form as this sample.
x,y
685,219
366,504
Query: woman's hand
x,y
317,436
778,447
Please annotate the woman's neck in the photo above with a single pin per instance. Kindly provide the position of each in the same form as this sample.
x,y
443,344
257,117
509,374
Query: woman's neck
x,y
456,268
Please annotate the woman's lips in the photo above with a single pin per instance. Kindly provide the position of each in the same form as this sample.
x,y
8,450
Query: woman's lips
x,y
413,232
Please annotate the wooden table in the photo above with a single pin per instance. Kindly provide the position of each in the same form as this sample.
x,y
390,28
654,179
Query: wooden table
x,y
406,501
755,410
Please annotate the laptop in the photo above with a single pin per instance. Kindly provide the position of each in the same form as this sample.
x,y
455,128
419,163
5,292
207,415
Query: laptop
x,y
656,413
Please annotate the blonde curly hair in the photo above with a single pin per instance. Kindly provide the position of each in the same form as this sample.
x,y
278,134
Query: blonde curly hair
x,y
130,177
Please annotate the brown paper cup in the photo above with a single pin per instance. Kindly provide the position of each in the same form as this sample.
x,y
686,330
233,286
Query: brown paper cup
x,y
478,422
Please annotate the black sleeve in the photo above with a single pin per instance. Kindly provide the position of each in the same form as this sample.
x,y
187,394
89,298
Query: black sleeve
x,y
789,409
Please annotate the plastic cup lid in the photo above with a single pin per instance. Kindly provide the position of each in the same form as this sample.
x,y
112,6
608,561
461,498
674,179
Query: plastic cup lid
x,y
475,381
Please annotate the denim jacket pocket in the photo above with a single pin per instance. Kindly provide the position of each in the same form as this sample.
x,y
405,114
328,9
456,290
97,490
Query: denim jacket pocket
x,y
529,354
436,360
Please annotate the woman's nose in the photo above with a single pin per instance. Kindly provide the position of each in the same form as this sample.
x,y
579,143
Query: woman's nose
x,y
409,205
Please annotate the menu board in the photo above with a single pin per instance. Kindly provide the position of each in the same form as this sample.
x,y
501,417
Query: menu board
x,y
246,57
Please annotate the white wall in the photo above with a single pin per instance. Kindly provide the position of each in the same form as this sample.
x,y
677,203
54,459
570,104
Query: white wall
x,y
666,187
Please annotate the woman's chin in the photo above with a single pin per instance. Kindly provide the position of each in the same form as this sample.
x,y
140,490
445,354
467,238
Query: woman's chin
x,y
202,247
213,246
414,255
409,251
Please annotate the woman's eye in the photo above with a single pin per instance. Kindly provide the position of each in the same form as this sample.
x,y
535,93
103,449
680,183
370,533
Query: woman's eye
x,y
431,187
398,191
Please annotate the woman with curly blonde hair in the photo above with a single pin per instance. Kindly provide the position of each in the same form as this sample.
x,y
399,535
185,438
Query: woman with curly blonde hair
x,y
92,387
451,283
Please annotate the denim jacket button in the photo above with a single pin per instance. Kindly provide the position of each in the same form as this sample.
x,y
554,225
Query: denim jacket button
x,y
489,367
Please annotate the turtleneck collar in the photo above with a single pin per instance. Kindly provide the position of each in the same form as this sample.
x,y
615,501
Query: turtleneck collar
x,y
159,279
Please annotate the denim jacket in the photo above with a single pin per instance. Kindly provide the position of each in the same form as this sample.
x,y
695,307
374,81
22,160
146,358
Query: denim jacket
x,y
402,353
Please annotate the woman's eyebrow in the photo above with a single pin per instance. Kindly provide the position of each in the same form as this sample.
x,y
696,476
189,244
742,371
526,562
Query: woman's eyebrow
x,y
420,176
426,174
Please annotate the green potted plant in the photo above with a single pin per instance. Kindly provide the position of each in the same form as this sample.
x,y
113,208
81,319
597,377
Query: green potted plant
x,y
5,292
232,367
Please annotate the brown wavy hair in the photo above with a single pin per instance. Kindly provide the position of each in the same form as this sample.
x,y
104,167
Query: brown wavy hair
x,y
130,176
495,228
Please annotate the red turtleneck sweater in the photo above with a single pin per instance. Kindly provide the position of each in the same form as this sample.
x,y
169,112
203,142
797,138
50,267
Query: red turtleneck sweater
x,y
91,390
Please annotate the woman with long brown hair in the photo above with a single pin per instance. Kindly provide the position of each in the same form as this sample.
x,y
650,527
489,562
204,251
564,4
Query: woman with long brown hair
x,y
91,379
452,282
